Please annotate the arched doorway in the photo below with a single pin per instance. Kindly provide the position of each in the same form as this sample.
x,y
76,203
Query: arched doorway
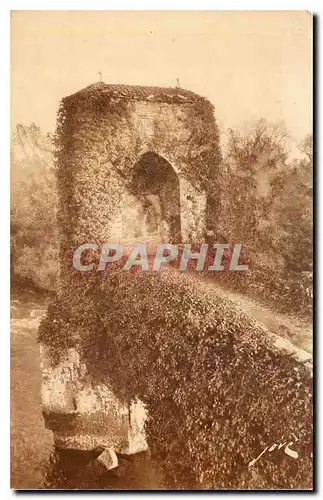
x,y
151,211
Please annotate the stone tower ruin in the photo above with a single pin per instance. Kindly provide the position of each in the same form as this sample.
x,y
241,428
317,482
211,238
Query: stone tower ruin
x,y
133,165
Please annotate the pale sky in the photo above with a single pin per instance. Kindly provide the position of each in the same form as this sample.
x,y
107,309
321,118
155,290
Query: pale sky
x,y
248,64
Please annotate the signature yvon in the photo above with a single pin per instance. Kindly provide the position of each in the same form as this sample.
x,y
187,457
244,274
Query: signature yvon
x,y
287,450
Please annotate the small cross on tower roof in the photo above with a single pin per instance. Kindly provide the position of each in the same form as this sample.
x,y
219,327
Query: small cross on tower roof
x,y
100,74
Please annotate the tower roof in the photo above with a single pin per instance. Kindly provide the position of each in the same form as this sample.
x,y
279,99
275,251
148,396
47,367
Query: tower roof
x,y
139,93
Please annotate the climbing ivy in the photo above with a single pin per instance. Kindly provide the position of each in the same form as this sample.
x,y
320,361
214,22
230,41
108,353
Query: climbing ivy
x,y
216,388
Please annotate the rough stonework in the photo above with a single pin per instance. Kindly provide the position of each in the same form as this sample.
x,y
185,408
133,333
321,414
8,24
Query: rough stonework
x,y
84,415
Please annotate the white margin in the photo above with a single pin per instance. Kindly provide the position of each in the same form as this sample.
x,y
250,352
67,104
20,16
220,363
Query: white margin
x,y
313,6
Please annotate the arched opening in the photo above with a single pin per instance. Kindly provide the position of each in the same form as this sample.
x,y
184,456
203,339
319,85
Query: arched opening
x,y
151,211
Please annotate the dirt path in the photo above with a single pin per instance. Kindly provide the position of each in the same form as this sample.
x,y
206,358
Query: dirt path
x,y
298,332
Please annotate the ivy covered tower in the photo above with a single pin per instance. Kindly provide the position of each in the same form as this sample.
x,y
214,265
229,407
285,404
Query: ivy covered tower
x,y
134,164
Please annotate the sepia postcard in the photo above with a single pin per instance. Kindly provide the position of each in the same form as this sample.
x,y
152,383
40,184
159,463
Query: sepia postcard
x,y
161,250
